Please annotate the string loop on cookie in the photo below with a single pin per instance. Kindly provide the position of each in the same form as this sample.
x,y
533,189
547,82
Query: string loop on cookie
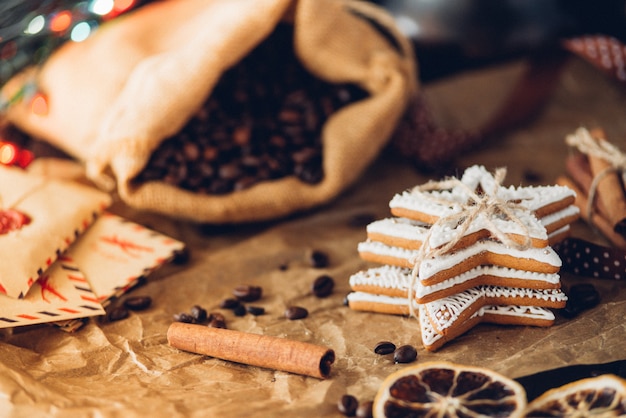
x,y
486,202
585,142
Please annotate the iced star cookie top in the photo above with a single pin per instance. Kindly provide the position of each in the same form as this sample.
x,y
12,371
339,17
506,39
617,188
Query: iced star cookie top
x,y
431,205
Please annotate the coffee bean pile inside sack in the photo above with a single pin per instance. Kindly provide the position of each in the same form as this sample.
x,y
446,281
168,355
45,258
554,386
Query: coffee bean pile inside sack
x,y
262,121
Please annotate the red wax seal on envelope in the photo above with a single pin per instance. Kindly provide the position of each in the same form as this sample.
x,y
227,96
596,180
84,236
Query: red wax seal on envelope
x,y
11,220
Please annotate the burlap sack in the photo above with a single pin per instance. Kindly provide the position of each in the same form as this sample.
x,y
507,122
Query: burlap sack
x,y
114,97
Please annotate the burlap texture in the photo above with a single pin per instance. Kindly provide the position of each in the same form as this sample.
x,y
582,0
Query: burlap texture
x,y
116,96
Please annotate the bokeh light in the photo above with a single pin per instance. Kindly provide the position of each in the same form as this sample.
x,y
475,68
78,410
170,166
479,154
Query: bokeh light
x,y
123,5
36,25
61,21
102,7
39,105
80,32
7,153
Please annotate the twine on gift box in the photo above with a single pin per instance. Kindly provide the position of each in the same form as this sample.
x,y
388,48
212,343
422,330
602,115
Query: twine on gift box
x,y
488,204
588,145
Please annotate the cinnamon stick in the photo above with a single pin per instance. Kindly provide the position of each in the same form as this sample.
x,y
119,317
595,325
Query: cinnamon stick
x,y
253,349
596,219
577,167
597,170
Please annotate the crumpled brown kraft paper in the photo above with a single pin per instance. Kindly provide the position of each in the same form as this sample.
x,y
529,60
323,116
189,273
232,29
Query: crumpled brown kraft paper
x,y
126,369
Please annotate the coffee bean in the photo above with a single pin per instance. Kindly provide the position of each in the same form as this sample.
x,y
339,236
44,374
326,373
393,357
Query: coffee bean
x,y
191,151
347,405
240,310
256,310
248,293
585,295
296,312
267,106
181,256
137,303
323,286
216,316
118,313
384,347
304,155
579,298
229,303
198,313
216,320
365,409
229,171
571,310
319,259
309,172
184,317
217,323
405,354
241,135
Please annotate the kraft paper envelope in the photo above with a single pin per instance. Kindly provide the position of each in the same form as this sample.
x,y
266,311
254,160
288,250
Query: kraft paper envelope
x,y
57,211
114,254
62,293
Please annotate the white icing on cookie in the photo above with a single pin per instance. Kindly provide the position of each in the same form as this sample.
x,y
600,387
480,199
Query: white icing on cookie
x,y
564,230
446,311
386,277
531,197
399,228
553,218
374,298
504,273
514,314
407,229
534,312
399,278
432,266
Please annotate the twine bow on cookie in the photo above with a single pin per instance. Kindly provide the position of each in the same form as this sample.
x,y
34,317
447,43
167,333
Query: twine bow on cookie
x,y
588,145
489,204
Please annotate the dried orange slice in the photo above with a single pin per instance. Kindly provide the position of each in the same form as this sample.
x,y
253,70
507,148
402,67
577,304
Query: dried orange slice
x,y
602,396
442,389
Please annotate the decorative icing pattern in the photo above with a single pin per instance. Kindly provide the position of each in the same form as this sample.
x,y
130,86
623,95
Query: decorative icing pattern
x,y
399,278
408,229
514,315
531,197
432,266
446,311
386,277
497,272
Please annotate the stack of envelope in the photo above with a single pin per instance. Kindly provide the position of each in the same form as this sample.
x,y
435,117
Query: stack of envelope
x,y
488,255
64,257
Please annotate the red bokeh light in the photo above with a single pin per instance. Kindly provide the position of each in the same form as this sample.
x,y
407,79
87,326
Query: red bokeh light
x,y
120,6
61,21
39,105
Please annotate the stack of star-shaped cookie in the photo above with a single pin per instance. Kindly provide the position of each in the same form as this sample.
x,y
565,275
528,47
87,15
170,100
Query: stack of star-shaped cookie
x,y
471,251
